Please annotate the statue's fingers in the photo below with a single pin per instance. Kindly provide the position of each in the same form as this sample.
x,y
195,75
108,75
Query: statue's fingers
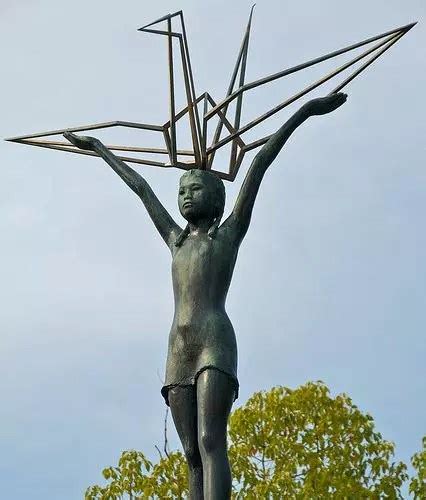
x,y
339,99
69,136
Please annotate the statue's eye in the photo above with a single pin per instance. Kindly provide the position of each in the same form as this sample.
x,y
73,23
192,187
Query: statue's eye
x,y
181,191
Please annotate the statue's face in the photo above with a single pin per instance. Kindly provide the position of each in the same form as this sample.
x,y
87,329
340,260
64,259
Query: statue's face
x,y
196,198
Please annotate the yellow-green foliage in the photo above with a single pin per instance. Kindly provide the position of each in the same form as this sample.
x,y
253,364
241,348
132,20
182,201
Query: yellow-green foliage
x,y
283,443
418,483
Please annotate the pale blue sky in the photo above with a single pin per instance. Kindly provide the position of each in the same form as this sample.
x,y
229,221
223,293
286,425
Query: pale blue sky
x,y
331,280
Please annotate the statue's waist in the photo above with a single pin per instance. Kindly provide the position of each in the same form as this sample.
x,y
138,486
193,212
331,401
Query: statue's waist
x,y
195,322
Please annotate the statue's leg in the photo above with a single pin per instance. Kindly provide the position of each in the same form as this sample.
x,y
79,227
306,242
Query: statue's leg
x,y
183,405
215,395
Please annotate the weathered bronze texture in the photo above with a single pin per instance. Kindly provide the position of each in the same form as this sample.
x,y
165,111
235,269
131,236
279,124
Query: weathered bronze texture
x,y
202,154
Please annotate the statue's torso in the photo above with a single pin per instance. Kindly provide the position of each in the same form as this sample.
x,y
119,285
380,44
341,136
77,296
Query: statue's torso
x,y
202,269
201,334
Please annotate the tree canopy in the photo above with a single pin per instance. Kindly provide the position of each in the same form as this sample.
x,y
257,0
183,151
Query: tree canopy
x,y
283,443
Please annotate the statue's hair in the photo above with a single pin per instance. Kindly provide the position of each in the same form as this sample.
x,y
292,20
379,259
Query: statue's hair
x,y
218,189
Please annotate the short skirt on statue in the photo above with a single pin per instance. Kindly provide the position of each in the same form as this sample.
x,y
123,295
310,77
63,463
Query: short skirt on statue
x,y
186,360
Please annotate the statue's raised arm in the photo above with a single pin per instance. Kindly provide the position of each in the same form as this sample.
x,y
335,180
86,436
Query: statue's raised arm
x,y
163,221
239,219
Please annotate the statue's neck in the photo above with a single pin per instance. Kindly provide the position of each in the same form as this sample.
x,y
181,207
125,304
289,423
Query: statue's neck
x,y
201,226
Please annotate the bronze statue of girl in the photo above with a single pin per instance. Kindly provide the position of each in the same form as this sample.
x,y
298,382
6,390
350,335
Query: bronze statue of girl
x,y
201,371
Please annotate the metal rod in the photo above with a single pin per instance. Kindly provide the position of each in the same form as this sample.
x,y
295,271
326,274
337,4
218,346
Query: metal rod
x,y
172,92
190,101
183,111
161,19
188,166
307,64
133,149
71,149
237,119
161,32
205,164
167,142
298,95
234,133
236,167
223,175
191,79
256,144
85,128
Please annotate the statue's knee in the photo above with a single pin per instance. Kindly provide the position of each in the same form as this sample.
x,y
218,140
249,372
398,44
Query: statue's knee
x,y
208,442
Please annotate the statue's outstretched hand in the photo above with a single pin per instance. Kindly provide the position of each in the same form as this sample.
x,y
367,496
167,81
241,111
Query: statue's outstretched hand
x,y
324,105
82,142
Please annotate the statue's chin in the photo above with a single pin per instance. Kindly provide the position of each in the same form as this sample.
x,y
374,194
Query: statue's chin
x,y
192,215
189,213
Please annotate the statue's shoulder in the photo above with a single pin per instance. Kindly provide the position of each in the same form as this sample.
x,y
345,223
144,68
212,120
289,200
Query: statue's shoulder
x,y
228,235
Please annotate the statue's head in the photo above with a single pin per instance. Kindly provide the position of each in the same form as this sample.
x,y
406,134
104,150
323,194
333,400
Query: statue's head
x,y
201,197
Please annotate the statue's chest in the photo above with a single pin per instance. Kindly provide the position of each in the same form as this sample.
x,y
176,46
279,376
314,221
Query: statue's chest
x,y
200,261
196,255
